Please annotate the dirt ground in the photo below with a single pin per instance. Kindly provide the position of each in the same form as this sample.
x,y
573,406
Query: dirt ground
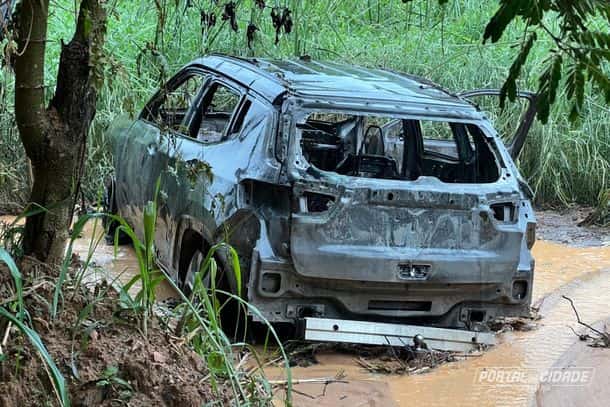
x,y
106,361
563,227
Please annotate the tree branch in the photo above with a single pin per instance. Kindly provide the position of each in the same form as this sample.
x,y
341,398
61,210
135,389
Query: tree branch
x,y
601,334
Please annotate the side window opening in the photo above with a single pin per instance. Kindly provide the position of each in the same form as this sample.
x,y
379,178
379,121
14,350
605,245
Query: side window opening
x,y
217,109
239,120
404,149
170,111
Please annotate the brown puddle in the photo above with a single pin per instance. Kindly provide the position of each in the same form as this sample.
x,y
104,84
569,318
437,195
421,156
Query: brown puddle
x,y
122,267
454,384
104,264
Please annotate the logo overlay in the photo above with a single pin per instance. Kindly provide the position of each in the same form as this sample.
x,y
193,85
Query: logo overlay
x,y
519,376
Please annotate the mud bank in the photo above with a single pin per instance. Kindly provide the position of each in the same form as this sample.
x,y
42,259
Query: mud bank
x,y
595,393
563,227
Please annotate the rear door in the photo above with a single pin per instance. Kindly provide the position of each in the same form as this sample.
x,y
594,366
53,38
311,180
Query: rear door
x,y
153,140
515,141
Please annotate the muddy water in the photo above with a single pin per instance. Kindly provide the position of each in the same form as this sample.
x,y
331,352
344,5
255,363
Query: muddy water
x,y
120,268
580,273
583,275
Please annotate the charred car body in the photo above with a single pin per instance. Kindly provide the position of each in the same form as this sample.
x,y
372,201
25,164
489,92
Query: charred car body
x,y
348,193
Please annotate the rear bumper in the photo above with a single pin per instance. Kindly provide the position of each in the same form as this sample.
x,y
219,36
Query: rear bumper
x,y
469,293
457,263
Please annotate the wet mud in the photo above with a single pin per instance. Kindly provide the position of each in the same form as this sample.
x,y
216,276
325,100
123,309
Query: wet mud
x,y
596,393
565,227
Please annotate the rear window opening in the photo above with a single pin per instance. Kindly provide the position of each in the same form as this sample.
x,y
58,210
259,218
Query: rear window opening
x,y
403,149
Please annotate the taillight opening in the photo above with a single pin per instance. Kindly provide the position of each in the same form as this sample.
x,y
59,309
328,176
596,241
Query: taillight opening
x,y
504,212
313,202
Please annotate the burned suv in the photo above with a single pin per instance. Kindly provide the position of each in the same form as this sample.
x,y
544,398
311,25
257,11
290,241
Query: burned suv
x,y
351,193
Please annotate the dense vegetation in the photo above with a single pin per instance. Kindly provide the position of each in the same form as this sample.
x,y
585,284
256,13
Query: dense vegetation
x,y
565,163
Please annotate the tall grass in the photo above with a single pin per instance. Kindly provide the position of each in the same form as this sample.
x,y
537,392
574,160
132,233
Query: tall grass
x,y
564,163
7,259
14,174
57,379
200,313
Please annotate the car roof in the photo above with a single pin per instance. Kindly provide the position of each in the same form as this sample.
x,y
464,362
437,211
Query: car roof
x,y
311,79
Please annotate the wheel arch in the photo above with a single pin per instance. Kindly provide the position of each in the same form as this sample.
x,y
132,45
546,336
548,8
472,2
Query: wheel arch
x,y
191,235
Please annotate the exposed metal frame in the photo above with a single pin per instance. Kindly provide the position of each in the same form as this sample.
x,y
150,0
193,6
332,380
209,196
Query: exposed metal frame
x,y
377,333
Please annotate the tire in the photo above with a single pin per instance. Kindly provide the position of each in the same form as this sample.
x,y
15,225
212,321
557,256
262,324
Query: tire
x,y
194,266
232,327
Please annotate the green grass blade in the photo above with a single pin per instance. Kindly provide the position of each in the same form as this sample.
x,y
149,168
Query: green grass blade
x,y
59,382
77,229
8,260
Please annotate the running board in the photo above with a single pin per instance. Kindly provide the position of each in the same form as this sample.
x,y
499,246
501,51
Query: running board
x,y
376,333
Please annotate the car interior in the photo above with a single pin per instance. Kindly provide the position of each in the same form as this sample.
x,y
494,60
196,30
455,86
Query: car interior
x,y
216,105
402,149
172,109
216,111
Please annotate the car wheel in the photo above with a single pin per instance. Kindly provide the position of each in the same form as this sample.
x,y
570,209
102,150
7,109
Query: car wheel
x,y
193,268
232,326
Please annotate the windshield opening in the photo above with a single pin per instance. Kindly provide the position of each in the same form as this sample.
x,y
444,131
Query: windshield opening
x,y
403,149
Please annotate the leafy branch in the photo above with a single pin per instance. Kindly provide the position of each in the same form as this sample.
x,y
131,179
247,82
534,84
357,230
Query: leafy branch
x,y
579,52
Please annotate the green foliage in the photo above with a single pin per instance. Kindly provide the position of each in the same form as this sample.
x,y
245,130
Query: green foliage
x,y
442,43
204,304
11,233
111,378
202,311
200,324
10,247
206,299
548,85
77,230
419,37
6,258
571,26
509,88
149,274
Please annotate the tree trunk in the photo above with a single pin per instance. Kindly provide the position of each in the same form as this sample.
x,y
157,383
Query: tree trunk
x,y
55,137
